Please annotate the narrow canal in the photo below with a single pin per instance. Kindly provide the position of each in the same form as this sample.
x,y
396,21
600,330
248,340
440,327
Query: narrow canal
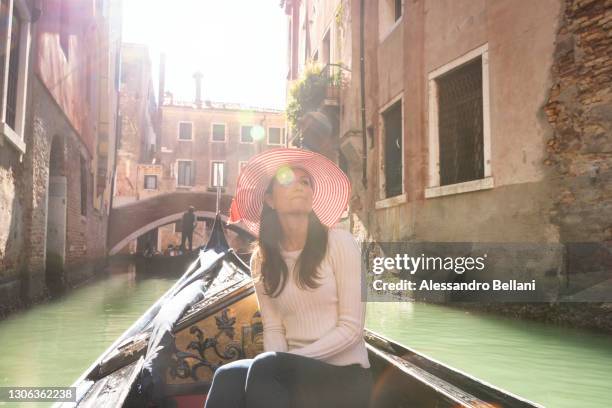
x,y
52,344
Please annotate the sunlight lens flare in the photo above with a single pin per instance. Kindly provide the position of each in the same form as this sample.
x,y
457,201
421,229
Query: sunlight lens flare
x,y
285,175
258,133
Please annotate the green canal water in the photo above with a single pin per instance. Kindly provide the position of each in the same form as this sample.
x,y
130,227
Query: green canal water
x,y
51,344
554,366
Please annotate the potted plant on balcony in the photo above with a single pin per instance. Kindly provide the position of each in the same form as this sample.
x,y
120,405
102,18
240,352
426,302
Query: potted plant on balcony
x,y
316,87
306,95
334,84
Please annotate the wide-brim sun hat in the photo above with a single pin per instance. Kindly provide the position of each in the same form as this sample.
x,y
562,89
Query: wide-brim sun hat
x,y
331,187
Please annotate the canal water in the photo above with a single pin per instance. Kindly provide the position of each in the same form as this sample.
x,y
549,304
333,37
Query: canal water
x,y
51,344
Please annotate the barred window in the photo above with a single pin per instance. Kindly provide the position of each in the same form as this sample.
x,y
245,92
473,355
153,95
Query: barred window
x,y
150,182
460,123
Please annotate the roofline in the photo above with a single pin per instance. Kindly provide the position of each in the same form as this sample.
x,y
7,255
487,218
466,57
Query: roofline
x,y
240,109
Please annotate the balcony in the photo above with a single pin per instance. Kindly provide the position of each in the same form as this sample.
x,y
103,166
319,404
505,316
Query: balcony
x,y
334,79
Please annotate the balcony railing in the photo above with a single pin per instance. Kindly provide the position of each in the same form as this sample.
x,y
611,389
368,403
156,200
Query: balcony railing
x,y
335,77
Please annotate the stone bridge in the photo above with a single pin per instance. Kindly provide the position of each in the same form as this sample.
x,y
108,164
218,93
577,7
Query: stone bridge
x,y
129,221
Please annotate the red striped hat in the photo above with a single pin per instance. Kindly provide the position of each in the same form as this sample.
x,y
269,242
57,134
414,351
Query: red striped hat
x,y
331,187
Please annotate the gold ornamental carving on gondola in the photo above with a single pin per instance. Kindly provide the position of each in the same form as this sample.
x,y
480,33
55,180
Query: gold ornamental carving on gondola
x,y
234,333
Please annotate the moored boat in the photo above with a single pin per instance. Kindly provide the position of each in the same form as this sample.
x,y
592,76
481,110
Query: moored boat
x,y
210,317
164,263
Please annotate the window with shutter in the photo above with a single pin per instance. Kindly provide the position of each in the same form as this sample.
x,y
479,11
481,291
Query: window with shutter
x,y
218,174
186,173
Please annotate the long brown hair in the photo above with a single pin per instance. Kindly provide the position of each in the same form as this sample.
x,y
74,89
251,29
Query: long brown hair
x,y
274,270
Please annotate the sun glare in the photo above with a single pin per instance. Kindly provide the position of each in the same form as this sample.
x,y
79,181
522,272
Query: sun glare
x,y
238,46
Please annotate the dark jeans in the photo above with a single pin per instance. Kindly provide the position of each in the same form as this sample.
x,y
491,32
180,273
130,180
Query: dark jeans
x,y
287,380
187,235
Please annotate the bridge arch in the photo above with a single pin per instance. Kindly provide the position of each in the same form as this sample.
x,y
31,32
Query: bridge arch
x,y
129,221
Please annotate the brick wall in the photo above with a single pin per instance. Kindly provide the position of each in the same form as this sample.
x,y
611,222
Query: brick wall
x,y
37,175
85,236
62,104
579,110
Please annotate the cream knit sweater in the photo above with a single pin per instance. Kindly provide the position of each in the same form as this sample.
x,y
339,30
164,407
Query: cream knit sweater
x,y
325,323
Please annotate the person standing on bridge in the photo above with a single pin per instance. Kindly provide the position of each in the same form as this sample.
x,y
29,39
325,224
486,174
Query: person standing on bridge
x,y
188,225
307,277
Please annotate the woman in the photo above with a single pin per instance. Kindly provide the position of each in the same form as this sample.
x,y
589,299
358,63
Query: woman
x,y
308,285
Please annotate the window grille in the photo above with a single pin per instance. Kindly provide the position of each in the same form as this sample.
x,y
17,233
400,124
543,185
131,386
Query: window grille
x,y
460,123
150,182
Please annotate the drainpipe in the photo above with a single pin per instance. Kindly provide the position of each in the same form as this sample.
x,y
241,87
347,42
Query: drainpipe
x,y
364,144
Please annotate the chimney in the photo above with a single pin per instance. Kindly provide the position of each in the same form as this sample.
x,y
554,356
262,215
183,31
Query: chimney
x,y
162,79
198,84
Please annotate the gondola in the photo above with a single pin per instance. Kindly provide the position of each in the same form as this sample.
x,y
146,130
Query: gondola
x,y
209,317
161,264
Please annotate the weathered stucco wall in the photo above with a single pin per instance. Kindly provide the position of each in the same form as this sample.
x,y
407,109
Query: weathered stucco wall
x,y
68,77
391,65
550,124
11,226
202,150
520,59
